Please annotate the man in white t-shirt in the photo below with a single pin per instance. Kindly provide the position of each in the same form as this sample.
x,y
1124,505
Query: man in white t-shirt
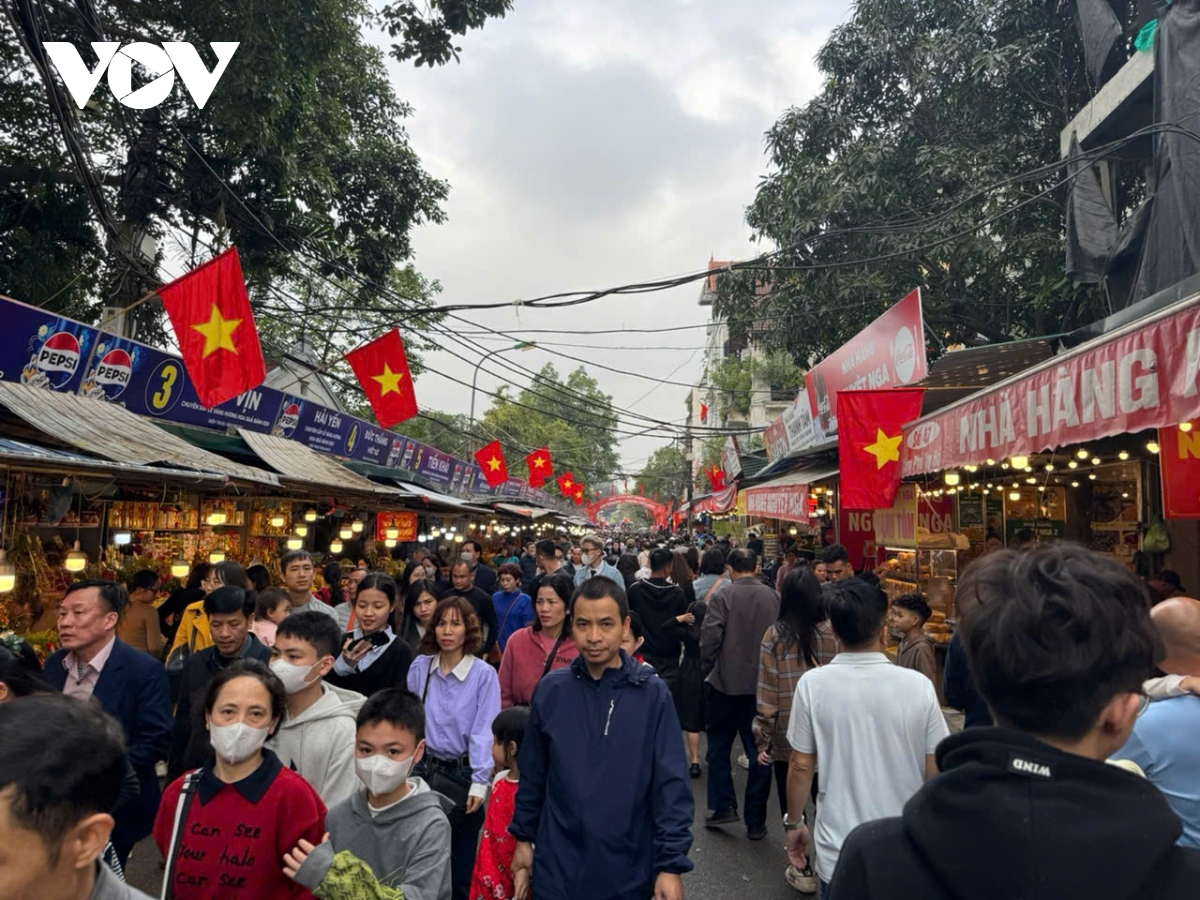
x,y
872,725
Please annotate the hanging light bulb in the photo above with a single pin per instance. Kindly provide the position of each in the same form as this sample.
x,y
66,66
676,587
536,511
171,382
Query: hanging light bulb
x,y
952,478
301,529
1019,462
1014,495
1082,453
356,526
1095,460
1031,480
8,574
122,538
76,560
1074,484
1072,465
1049,467
1123,455
1152,446
217,516
345,532
310,515
389,543
1185,426
422,537
392,533
1125,495
335,546
217,556
1091,476
458,539
792,531
294,542
277,520
180,567
1029,468
971,468
990,462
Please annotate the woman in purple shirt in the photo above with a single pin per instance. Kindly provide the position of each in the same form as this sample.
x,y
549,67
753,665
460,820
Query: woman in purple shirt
x,y
461,695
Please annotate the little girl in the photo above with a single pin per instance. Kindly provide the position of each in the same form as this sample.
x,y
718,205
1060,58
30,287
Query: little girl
x,y
271,607
493,877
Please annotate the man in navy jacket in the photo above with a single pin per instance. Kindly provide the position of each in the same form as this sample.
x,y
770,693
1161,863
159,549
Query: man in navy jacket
x,y
604,790
130,685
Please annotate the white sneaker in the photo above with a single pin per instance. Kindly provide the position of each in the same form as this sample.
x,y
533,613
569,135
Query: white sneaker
x,y
743,761
805,884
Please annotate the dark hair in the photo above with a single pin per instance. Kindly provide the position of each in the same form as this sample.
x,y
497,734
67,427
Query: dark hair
x,y
291,556
801,610
196,577
474,543
315,628
914,603
379,581
559,582
466,612
397,707
992,536
410,567
112,595
743,560
856,611
628,565
692,556
20,670
466,565
660,559
227,599
509,569
144,580
260,577
712,562
1024,536
232,574
253,668
681,572
597,589
1057,632
509,726
635,626
268,601
545,548
1171,577
63,759
835,553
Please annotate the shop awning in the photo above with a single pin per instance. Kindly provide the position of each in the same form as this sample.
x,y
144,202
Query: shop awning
x,y
31,457
440,500
296,462
719,502
786,497
525,512
1140,375
115,433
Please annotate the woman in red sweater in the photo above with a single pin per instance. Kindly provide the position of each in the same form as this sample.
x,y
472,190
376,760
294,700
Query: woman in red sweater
x,y
541,647
243,811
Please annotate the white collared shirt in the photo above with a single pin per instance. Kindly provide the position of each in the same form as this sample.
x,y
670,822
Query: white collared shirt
x,y
344,668
82,685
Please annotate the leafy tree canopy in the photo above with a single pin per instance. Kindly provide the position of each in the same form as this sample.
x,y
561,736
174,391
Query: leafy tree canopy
x,y
881,183
665,473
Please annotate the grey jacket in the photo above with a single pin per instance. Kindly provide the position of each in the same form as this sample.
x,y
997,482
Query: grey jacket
x,y
109,887
738,616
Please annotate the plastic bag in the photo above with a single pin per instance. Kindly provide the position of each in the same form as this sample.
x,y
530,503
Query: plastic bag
x,y
1156,538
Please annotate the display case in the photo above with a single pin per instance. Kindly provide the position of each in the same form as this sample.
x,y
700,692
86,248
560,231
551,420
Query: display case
x,y
932,572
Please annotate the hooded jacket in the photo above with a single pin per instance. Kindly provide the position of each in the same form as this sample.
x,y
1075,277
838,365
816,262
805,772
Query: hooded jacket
x,y
406,847
604,791
319,743
657,602
1011,817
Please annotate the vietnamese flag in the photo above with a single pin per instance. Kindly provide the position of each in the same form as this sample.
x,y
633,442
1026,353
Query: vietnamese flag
x,y
703,413
540,467
210,313
491,461
869,438
579,489
566,484
381,368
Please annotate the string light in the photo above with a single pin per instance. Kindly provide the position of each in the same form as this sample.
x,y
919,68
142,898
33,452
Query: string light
x,y
1014,495
1123,455
1075,484
1185,426
1082,453
1049,467
1152,446
1019,462
952,478
1091,476
1095,460
1072,465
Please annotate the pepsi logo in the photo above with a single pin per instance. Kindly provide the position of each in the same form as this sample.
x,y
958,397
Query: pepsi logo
x,y
923,435
288,420
114,372
58,358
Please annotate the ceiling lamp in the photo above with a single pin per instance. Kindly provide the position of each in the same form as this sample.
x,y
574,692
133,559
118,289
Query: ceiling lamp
x,y
310,515
389,543
345,532
301,529
180,567
8,574
1082,453
458,539
294,542
392,533
1185,426
217,556
1014,495
335,546
952,478
1152,446
277,520
217,516
122,538
1019,462
422,537
76,560
356,526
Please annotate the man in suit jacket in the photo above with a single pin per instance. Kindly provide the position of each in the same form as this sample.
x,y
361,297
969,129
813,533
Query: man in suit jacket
x,y
131,686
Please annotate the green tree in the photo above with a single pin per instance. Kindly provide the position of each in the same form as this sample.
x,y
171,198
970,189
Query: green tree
x,y
574,418
449,433
925,104
665,473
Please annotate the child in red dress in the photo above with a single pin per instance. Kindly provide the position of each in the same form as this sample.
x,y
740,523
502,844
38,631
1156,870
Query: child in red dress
x,y
493,877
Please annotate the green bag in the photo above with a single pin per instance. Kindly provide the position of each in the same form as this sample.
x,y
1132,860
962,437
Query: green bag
x,y
1156,538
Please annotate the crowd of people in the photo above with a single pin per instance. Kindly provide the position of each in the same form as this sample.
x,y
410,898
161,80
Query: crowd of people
x,y
529,721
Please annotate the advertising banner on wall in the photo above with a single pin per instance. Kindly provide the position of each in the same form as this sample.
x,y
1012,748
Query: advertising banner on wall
x,y
787,502
1179,453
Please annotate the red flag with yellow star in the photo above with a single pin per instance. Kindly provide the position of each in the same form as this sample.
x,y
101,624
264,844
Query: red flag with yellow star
x,y
578,495
491,460
382,370
869,439
540,467
566,484
210,313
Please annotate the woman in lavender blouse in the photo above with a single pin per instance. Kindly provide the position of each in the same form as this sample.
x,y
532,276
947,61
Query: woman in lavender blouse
x,y
461,695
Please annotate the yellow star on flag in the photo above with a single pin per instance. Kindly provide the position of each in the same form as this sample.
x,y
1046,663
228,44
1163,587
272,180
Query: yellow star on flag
x,y
494,464
218,333
539,462
567,484
885,449
389,381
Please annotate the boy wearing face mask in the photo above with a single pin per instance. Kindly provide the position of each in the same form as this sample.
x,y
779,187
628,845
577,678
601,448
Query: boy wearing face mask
x,y
391,838
317,737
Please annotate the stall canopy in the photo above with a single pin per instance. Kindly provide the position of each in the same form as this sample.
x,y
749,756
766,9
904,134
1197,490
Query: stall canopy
x,y
525,512
111,431
440,500
33,458
719,502
296,462
786,497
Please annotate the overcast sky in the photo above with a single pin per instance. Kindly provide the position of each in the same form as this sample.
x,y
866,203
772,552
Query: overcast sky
x,y
590,144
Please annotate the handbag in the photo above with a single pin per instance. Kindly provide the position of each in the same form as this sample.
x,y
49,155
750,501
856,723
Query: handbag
x,y
438,780
178,658
186,792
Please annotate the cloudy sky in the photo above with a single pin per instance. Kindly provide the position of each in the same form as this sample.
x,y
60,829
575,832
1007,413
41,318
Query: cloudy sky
x,y
590,144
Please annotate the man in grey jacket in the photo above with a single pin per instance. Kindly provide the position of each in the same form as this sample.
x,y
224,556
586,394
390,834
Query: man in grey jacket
x,y
730,642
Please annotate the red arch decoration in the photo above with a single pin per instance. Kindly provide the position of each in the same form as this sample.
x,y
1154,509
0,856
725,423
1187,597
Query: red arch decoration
x,y
656,509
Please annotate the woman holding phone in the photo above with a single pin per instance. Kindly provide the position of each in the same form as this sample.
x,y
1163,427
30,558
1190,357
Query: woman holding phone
x,y
372,656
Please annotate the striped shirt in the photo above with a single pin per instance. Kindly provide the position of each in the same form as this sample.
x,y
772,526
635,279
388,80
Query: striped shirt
x,y
779,671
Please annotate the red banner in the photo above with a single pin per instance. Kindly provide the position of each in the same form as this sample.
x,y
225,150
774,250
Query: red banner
x,y
775,438
1143,376
719,502
788,502
404,522
888,353
1179,453
856,532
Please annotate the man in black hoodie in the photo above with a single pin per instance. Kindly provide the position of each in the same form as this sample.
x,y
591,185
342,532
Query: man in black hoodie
x,y
662,607
1058,646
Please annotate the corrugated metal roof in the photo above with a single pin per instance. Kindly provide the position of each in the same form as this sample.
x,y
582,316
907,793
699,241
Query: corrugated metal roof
x,y
295,461
109,430
961,373
528,512
32,456
808,475
439,499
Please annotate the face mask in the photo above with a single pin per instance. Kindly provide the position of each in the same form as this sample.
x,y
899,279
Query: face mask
x,y
467,556
382,775
292,675
236,743
587,559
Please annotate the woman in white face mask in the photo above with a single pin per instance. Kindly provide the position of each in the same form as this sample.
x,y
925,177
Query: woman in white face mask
x,y
221,827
